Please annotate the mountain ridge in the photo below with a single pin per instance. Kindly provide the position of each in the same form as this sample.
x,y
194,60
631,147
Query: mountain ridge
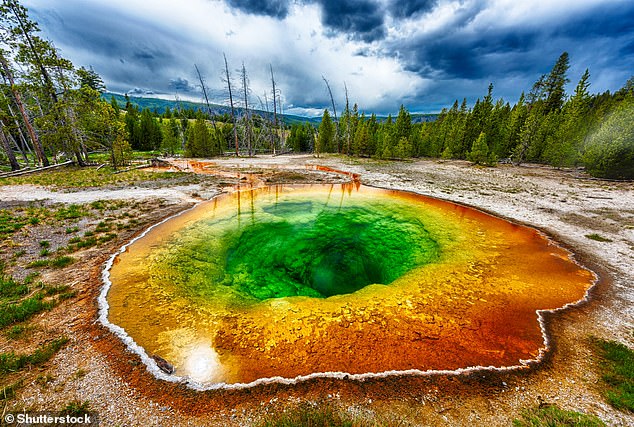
x,y
160,106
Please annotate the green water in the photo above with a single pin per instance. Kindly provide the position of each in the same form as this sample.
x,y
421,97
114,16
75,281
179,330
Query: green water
x,y
299,247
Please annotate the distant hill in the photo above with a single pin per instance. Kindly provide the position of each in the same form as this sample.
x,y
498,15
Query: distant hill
x,y
160,105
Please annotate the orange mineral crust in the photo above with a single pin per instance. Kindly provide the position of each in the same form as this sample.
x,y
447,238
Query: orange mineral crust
x,y
299,280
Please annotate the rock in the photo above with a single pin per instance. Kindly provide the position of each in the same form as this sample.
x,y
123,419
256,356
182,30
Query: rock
x,y
163,364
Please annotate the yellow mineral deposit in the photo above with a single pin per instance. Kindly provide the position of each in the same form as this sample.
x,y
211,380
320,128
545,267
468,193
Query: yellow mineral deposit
x,y
295,280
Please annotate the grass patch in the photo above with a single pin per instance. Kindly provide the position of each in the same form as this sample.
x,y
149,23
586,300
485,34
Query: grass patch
x,y
23,310
71,230
62,261
107,237
617,365
18,254
102,227
7,392
597,237
71,212
38,263
309,415
17,332
11,362
75,409
76,177
85,243
59,262
322,414
9,289
14,308
10,223
552,416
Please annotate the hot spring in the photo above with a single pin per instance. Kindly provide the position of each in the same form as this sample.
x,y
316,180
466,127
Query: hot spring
x,y
292,281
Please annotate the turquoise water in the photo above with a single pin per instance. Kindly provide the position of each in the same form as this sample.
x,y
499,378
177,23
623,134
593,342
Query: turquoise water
x,y
300,246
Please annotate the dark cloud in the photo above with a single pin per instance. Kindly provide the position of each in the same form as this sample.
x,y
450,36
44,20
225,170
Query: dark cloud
x,y
456,59
462,58
408,8
128,51
456,56
614,20
180,84
273,8
140,92
358,19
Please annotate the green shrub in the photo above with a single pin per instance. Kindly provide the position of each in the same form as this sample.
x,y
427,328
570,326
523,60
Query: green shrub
x,y
617,365
610,151
11,362
552,416
23,310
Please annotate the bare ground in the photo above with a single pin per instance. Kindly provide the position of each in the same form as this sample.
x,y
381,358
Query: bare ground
x,y
96,367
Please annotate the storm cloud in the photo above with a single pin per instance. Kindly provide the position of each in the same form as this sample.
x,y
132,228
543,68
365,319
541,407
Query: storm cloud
x,y
362,19
423,53
408,8
276,8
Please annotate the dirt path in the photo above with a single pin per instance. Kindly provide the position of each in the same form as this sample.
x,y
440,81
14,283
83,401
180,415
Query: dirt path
x,y
31,193
557,202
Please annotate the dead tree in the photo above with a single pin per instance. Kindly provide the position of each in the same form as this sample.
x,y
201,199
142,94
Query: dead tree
x,y
6,146
22,143
181,131
347,116
202,84
39,151
274,111
247,130
233,112
334,111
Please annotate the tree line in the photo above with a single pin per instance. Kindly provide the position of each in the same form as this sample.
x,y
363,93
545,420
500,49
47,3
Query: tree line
x,y
49,109
545,126
52,111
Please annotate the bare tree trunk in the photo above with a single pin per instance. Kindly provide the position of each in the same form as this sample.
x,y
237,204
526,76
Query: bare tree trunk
x,y
233,113
347,114
274,110
8,150
202,83
268,120
281,108
334,111
22,145
80,150
247,131
39,151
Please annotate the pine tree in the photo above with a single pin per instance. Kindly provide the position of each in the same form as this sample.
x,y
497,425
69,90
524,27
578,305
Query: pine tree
x,y
361,145
200,140
326,133
514,126
479,153
89,78
403,125
150,131
115,105
565,146
554,84
171,136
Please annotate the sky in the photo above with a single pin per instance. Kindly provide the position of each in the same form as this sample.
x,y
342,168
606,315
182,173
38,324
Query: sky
x,y
423,54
